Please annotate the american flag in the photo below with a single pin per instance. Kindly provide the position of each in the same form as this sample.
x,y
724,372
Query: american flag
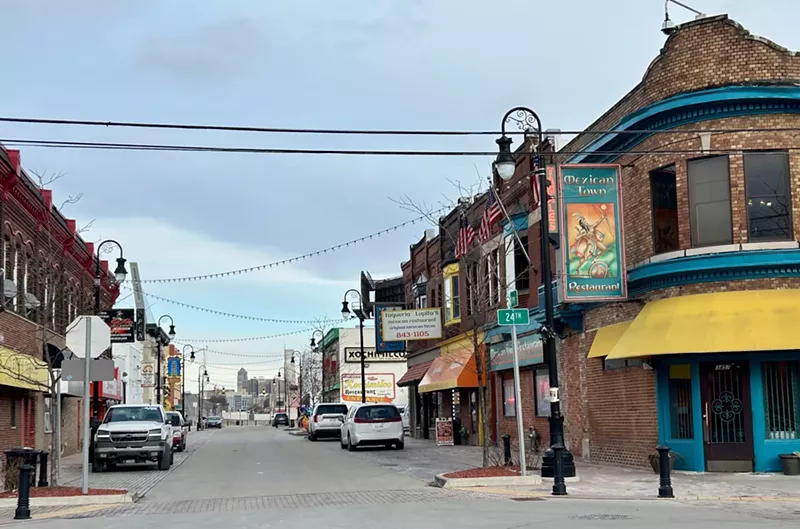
x,y
490,216
466,237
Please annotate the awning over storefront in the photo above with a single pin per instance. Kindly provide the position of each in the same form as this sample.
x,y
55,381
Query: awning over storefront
x,y
22,371
749,320
414,374
606,338
455,367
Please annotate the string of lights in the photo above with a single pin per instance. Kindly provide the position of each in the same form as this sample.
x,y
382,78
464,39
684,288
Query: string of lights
x,y
362,132
343,152
239,316
248,338
262,356
290,260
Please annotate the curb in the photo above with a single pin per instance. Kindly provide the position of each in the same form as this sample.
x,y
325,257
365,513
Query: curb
x,y
509,481
595,497
71,501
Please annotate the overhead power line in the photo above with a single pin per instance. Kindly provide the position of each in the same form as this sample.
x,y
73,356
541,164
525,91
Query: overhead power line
x,y
290,260
362,132
342,152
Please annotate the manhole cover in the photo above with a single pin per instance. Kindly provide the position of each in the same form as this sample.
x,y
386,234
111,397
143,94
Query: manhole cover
x,y
601,517
528,498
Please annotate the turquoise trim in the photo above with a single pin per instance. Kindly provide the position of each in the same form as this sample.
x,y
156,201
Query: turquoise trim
x,y
765,451
692,107
732,266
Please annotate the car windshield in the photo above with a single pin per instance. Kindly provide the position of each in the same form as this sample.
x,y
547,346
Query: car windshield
x,y
213,418
377,412
174,419
133,413
322,409
281,415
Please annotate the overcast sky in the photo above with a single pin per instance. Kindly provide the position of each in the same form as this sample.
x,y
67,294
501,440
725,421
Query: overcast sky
x,y
392,64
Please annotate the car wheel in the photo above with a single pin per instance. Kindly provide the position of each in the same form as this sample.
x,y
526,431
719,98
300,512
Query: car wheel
x,y
400,445
311,436
350,446
341,443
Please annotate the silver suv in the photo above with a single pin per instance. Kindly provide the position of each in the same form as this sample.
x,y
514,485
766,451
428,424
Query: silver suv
x,y
133,433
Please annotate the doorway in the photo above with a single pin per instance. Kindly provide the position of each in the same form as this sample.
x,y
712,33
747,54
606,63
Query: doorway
x,y
727,416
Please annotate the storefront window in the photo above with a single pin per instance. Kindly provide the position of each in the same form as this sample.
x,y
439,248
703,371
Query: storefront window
x,y
782,399
710,201
664,199
769,205
680,402
509,403
542,392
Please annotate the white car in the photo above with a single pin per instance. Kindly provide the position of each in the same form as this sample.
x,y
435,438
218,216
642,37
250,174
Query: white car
x,y
405,414
326,421
372,425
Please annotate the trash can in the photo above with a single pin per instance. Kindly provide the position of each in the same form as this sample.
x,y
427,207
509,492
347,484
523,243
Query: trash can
x,y
15,458
237,423
791,464
291,423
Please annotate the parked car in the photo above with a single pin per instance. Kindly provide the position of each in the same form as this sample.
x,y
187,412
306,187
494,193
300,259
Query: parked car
x,y
280,419
133,433
214,422
372,425
405,415
180,430
326,421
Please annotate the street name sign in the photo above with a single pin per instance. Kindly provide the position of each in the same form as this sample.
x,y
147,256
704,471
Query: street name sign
x,y
513,299
513,317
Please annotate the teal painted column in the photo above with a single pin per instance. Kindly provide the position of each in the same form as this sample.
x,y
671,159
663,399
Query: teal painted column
x,y
698,453
761,463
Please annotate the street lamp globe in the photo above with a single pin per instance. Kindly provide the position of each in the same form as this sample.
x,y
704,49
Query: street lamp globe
x,y
191,356
505,164
313,342
171,332
345,310
120,273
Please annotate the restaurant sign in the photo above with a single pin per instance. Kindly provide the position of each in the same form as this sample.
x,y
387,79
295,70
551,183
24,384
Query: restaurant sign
x,y
353,355
121,322
380,387
529,348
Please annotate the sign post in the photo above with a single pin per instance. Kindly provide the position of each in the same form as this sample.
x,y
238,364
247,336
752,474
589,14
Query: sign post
x,y
87,336
514,317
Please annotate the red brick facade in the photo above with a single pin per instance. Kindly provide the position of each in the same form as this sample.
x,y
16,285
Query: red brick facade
x,y
43,254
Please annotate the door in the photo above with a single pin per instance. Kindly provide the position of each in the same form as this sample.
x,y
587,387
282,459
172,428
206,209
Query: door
x,y
727,416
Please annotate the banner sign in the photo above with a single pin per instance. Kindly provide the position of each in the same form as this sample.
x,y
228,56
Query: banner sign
x,y
121,322
530,349
416,324
380,344
174,366
148,375
444,432
552,198
380,387
352,355
592,236
140,322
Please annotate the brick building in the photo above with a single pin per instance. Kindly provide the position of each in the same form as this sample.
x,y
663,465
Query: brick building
x,y
698,353
48,273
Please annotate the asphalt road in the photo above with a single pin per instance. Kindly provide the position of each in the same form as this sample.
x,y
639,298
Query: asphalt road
x,y
262,477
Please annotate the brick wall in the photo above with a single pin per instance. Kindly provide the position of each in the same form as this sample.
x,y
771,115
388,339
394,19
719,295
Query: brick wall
x,y
507,424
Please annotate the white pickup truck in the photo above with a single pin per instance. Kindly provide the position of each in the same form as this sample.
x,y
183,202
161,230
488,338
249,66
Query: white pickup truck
x,y
133,433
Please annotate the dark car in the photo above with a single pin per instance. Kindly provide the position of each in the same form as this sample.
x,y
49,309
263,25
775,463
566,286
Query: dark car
x,y
280,419
214,422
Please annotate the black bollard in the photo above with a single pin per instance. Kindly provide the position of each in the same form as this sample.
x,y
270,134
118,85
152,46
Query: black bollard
x,y
43,469
559,486
507,449
664,479
23,511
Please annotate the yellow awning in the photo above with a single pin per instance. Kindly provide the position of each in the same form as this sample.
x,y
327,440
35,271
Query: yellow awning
x,y
22,371
749,320
606,338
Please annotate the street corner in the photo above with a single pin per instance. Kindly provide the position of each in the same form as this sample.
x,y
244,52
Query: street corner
x,y
486,477
69,496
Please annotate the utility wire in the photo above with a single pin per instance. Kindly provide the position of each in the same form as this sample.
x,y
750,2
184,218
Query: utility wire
x,y
239,316
290,260
343,152
366,132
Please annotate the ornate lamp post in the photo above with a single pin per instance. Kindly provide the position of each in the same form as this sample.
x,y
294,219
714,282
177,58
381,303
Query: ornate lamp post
x,y
321,349
346,314
171,334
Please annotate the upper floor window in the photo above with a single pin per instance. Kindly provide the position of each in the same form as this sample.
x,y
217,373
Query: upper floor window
x,y
421,292
518,270
769,202
664,200
452,294
710,201
493,277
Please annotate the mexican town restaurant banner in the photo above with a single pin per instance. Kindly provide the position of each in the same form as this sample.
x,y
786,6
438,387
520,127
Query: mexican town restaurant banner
x,y
592,237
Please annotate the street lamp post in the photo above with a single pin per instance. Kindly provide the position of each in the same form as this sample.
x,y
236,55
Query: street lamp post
x,y
202,379
526,119
119,274
183,376
124,387
321,349
159,359
360,314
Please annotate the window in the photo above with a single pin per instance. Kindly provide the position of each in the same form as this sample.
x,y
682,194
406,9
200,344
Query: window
x,y
456,297
769,203
474,294
782,399
13,413
541,392
620,364
522,269
664,200
493,277
680,402
509,402
710,201
422,302
421,292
